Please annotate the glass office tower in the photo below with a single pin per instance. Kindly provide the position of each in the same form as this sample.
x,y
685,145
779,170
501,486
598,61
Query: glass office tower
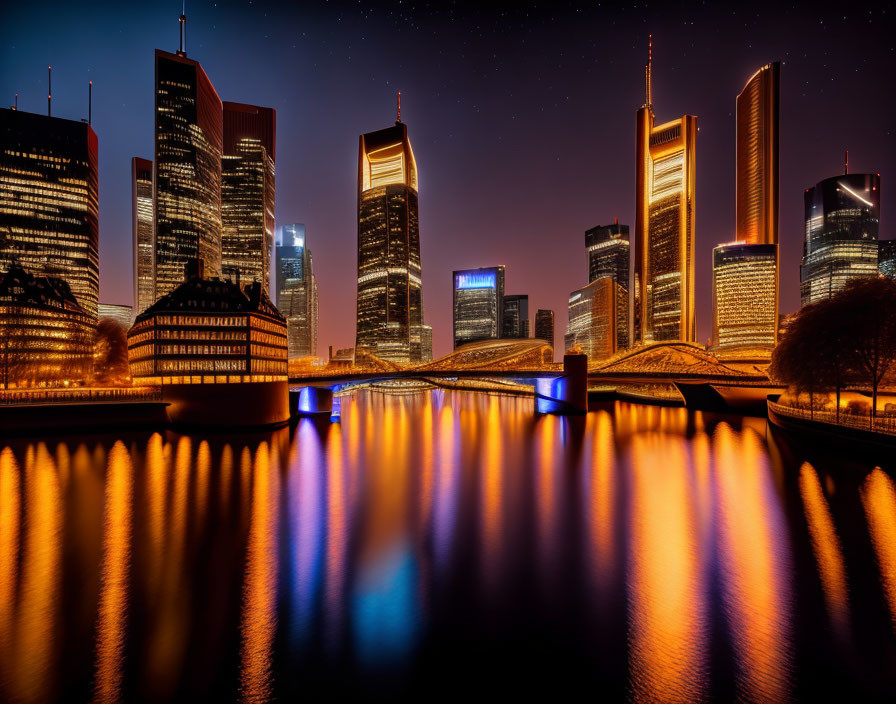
x,y
596,313
842,216
141,224
297,291
745,294
478,304
886,258
544,325
49,201
608,256
390,298
188,148
665,192
247,192
515,317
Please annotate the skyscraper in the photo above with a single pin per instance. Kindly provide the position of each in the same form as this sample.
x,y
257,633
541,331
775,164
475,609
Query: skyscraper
x,y
595,314
141,209
478,304
188,148
390,299
608,256
426,344
49,201
297,291
842,221
665,190
886,258
744,291
544,325
745,273
247,192
515,317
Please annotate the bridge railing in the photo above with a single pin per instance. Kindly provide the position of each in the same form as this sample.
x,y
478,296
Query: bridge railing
x,y
880,424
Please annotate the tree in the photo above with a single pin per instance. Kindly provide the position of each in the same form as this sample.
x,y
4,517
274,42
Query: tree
x,y
110,358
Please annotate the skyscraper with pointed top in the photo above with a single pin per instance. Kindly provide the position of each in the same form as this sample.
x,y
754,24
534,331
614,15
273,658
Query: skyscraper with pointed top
x,y
390,298
665,191
187,168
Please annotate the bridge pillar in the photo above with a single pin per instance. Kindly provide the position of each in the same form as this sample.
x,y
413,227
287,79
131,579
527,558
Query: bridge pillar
x,y
566,394
312,400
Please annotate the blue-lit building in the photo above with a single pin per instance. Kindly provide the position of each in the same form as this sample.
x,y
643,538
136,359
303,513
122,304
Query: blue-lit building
x,y
842,221
478,304
886,258
297,291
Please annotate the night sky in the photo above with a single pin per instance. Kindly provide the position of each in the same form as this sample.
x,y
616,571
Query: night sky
x,y
522,119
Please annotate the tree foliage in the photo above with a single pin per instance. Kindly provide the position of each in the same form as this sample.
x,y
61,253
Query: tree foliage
x,y
110,358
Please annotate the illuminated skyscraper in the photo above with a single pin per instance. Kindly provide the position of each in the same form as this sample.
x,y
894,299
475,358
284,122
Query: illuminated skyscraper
x,y
121,314
426,344
188,148
665,189
842,220
297,291
141,209
596,312
515,317
49,201
745,273
744,291
478,304
544,325
609,256
757,157
886,258
390,298
247,192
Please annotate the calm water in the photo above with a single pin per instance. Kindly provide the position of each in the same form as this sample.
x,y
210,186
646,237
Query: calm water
x,y
446,544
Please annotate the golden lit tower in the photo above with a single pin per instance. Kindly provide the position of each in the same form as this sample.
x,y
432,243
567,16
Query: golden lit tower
x,y
665,189
390,298
141,223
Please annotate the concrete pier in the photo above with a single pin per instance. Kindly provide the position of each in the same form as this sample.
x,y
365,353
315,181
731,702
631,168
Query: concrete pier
x,y
568,393
313,400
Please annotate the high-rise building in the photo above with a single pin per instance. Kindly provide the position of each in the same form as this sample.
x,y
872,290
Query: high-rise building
x,y
426,342
744,289
247,192
757,157
842,220
49,201
665,191
390,298
478,304
297,291
141,223
608,256
886,258
515,317
121,314
544,325
188,147
745,273
595,314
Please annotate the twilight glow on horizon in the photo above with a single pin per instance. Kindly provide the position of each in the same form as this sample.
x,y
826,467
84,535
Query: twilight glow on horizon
x,y
522,121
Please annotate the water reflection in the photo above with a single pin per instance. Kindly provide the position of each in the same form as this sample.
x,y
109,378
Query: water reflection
x,y
425,543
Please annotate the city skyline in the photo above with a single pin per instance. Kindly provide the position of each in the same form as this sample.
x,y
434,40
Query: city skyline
x,y
446,246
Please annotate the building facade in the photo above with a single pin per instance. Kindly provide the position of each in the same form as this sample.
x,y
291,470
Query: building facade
x,y
745,295
596,313
544,325
297,291
665,193
141,223
886,258
515,317
478,304
188,148
49,201
209,331
247,192
121,314
389,318
426,354
842,216
46,336
609,256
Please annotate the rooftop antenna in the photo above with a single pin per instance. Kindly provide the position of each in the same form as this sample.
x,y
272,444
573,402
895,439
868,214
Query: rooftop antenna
x,y
49,88
398,121
647,70
89,102
846,163
183,30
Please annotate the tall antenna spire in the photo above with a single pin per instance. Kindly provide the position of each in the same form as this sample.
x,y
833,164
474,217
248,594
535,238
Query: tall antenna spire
x,y
183,30
398,119
89,102
647,70
49,88
846,163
